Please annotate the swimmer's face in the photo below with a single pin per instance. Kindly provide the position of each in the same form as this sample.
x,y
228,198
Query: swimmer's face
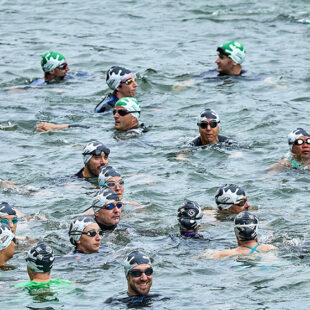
x,y
225,65
96,162
115,183
62,70
125,122
139,285
88,244
302,150
9,218
208,134
109,217
127,88
243,206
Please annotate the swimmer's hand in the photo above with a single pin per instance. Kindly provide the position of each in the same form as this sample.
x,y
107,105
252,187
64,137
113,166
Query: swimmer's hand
x,y
236,155
269,80
44,126
183,85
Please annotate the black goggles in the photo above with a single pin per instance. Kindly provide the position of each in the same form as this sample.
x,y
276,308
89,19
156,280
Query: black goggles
x,y
124,112
92,233
100,149
136,273
239,203
301,141
204,124
63,66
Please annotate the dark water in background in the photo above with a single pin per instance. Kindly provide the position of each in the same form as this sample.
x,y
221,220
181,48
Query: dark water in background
x,y
164,42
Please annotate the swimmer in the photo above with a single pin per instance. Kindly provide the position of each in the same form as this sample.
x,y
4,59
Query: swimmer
x,y
40,259
55,68
139,276
8,216
245,230
7,244
85,235
95,156
208,123
299,156
126,116
189,215
122,82
230,57
107,209
231,198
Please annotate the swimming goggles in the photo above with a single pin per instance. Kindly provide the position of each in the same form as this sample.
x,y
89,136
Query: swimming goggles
x,y
204,124
99,149
63,66
6,221
301,141
113,184
129,81
112,205
124,112
136,273
92,233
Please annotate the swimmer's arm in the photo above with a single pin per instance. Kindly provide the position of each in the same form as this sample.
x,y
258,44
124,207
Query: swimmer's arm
x,y
270,81
132,203
44,126
281,165
183,85
222,254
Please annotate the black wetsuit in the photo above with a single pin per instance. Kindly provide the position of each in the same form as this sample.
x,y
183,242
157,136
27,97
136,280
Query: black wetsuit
x,y
222,139
134,301
107,103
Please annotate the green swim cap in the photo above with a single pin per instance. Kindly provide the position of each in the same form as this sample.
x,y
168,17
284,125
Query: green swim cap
x,y
51,60
131,104
233,50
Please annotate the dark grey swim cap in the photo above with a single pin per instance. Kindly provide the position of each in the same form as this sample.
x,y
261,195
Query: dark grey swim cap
x,y
245,226
135,258
6,209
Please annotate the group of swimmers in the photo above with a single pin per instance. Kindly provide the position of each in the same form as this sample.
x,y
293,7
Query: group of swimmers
x,y
85,232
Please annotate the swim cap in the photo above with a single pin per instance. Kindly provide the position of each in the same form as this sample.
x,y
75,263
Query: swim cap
x,y
131,104
94,148
77,227
104,196
40,258
6,209
51,60
227,195
295,134
209,114
233,50
245,226
188,214
135,258
116,75
106,173
6,236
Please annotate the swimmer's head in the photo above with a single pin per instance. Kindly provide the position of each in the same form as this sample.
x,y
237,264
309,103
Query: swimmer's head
x,y
246,226
189,215
6,209
228,195
116,75
131,105
295,134
6,236
77,227
94,148
103,197
234,50
106,173
135,258
51,60
207,114
40,258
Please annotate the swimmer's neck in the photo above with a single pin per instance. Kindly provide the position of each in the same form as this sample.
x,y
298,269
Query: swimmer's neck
x,y
248,243
40,277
